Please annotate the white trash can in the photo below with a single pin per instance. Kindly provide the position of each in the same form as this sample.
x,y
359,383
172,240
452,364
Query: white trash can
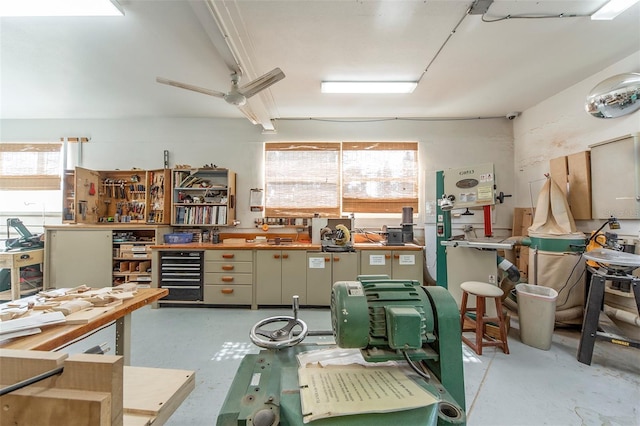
x,y
537,314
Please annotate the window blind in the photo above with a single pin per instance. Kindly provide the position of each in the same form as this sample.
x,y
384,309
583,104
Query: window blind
x,y
302,179
379,177
30,166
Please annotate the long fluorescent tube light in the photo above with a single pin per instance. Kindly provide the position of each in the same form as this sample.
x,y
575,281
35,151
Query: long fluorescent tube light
x,y
612,9
368,86
60,8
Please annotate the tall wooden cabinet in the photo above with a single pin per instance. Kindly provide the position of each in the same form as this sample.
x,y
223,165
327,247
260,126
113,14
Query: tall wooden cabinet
x,y
76,257
203,197
99,255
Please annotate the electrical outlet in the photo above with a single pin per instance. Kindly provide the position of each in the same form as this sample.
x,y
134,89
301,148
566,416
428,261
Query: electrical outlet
x,y
492,279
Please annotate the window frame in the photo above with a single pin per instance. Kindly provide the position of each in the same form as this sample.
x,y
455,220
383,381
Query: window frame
x,y
331,205
40,179
346,204
396,173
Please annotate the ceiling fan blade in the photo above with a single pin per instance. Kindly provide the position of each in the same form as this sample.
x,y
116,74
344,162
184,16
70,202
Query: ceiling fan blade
x,y
261,82
190,87
246,110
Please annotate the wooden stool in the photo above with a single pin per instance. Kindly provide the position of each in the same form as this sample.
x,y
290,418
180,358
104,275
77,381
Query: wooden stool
x,y
482,291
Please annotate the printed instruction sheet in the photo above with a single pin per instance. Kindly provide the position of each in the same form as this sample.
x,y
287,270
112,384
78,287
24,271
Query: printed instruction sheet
x,y
339,391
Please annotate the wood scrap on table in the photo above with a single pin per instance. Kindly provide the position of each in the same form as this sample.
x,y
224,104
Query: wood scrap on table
x,y
71,306
79,305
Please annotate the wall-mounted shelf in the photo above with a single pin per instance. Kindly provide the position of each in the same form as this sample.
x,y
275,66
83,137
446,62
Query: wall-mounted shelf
x,y
203,197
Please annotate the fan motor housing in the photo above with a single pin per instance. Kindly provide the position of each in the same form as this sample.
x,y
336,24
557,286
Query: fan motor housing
x,y
383,314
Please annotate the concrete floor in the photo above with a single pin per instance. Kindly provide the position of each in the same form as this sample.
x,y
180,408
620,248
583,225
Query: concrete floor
x,y
528,387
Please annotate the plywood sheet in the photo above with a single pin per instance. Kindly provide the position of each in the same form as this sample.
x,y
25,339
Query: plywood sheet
x,y
615,173
522,220
155,391
579,177
137,420
558,172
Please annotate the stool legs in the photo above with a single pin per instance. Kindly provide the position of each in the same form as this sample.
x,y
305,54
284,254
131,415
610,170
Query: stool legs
x,y
463,309
502,325
478,326
479,323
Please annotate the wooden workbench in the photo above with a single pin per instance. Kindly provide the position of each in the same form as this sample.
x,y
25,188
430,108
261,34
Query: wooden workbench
x,y
58,336
17,259
88,389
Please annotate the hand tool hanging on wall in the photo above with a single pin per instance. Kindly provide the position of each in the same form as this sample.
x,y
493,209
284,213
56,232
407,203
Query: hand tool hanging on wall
x,y
123,193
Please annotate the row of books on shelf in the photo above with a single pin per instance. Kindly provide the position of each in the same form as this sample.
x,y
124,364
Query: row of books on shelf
x,y
203,215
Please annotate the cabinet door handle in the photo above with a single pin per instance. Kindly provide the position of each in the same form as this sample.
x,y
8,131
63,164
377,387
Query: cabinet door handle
x,y
285,256
276,256
327,259
227,279
396,256
227,267
387,256
226,291
336,259
228,255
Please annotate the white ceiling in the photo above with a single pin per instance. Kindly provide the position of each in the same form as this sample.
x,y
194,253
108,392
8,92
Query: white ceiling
x,y
106,67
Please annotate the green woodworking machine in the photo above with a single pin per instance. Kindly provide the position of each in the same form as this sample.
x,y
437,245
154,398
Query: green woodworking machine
x,y
388,320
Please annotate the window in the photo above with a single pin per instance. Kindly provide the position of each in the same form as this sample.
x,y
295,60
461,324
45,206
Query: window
x,y
30,166
302,179
329,178
379,177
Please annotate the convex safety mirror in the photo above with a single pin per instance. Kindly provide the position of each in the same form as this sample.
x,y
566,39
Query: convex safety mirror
x,y
614,97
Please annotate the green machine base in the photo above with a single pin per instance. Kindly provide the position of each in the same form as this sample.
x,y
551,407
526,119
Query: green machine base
x,y
265,391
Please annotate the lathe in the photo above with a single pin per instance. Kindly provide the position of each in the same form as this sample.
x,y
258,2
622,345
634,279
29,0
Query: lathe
x,y
387,320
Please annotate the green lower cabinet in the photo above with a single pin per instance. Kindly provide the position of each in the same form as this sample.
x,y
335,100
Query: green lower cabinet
x,y
397,264
323,269
280,274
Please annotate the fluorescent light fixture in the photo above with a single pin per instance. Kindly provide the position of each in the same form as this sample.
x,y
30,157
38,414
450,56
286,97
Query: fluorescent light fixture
x,y
60,8
368,86
611,9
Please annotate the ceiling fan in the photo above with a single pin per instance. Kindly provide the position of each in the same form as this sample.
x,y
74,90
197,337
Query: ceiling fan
x,y
237,95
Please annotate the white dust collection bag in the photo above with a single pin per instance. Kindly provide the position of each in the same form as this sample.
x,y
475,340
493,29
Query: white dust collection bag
x,y
555,259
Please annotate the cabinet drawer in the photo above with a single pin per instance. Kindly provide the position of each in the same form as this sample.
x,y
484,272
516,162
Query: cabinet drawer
x,y
229,255
229,267
227,294
24,258
227,279
139,248
187,293
134,255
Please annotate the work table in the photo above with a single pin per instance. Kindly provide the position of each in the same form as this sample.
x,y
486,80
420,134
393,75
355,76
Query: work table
x,y
271,246
267,274
243,270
